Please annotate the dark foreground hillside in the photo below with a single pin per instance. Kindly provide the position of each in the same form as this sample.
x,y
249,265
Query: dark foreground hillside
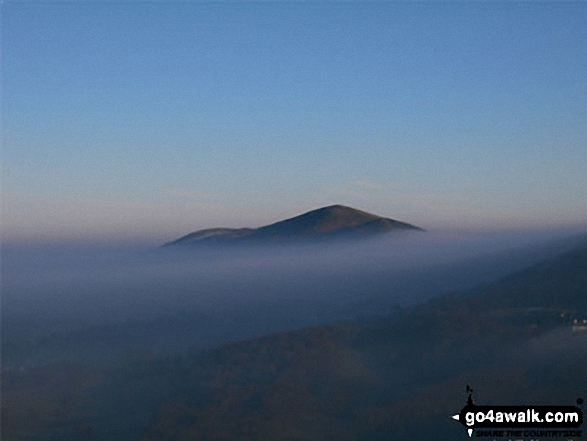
x,y
396,379
392,379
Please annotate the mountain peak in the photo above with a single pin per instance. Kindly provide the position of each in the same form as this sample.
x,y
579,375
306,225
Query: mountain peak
x,y
326,223
323,220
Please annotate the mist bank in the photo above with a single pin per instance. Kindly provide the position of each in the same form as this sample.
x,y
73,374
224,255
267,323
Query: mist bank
x,y
75,298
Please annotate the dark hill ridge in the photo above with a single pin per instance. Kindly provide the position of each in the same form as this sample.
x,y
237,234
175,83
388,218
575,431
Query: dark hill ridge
x,y
557,284
395,378
335,221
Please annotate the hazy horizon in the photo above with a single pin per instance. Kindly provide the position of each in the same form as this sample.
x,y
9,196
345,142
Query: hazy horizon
x,y
148,242
150,120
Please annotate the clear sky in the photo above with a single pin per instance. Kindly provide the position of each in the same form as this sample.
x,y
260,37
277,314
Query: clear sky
x,y
154,119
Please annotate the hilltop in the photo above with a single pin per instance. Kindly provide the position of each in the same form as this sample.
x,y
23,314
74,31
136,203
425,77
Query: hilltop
x,y
327,223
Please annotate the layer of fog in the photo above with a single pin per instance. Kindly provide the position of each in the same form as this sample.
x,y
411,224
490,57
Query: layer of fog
x,y
166,298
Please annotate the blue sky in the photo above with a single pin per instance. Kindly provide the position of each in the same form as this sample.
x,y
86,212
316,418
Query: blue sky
x,y
153,119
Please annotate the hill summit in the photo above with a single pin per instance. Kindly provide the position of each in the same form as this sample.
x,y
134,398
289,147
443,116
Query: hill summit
x,y
327,223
